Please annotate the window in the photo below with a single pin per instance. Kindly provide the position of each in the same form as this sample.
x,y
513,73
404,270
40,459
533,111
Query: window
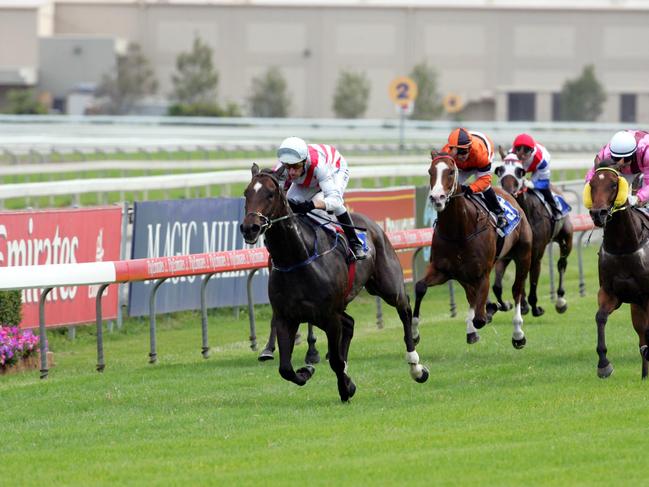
x,y
628,107
521,106
556,107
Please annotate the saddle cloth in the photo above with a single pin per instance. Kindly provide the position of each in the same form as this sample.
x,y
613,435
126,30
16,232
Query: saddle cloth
x,y
558,200
323,219
512,215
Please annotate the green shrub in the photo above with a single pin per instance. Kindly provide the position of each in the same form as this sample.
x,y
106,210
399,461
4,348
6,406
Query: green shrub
x,y
24,102
11,311
204,110
352,95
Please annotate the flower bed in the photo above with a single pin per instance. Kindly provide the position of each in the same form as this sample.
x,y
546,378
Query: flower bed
x,y
18,348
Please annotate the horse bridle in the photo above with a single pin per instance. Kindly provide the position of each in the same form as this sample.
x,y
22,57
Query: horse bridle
x,y
452,193
613,208
520,182
267,222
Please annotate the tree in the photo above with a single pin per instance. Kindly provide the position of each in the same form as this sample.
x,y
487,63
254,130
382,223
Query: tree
x,y
582,99
133,79
351,95
195,80
268,97
195,85
24,102
427,103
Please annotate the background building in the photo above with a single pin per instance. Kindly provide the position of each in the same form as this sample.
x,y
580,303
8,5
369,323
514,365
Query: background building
x,y
18,44
504,61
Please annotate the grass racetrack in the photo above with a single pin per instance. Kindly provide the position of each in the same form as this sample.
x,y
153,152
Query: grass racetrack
x,y
488,415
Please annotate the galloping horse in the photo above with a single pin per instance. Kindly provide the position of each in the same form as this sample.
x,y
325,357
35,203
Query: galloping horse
x,y
465,248
623,262
544,231
310,280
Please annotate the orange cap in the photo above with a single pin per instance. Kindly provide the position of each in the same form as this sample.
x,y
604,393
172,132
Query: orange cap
x,y
459,138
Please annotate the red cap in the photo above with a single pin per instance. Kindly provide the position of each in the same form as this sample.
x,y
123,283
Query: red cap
x,y
525,140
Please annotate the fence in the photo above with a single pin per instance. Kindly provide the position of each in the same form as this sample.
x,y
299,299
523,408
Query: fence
x,y
162,268
103,186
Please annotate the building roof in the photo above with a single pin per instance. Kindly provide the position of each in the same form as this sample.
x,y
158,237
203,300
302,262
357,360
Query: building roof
x,y
25,4
483,4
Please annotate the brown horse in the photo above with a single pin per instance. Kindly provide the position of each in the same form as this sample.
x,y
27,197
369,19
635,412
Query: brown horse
x,y
465,248
545,230
309,281
623,259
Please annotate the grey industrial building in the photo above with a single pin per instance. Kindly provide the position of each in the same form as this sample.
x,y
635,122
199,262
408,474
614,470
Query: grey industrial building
x,y
505,60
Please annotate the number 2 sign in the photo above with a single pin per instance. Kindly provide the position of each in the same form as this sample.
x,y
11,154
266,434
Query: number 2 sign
x,y
403,90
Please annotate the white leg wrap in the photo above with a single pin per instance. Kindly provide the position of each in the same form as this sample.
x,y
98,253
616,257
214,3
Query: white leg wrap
x,y
415,327
416,371
561,302
517,321
412,357
469,321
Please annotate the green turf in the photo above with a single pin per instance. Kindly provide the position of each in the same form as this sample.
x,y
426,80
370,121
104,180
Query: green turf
x,y
488,415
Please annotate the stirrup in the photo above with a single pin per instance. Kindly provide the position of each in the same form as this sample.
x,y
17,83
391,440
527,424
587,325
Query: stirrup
x,y
501,221
359,252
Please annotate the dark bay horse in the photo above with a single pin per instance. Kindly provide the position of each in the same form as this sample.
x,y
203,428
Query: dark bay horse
x,y
623,258
464,248
308,281
544,231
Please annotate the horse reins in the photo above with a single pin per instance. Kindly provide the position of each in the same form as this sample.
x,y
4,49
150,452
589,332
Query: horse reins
x,y
268,222
452,192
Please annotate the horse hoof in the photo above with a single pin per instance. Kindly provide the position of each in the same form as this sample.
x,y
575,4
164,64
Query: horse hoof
x,y
491,308
605,372
265,355
416,339
352,389
525,309
518,344
312,357
347,392
478,324
307,371
506,306
561,306
472,338
424,375
538,311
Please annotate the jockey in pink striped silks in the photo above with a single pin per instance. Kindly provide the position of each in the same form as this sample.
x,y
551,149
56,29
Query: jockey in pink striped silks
x,y
630,149
318,177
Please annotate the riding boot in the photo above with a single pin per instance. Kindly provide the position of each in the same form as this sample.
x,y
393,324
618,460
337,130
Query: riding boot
x,y
549,199
354,242
493,205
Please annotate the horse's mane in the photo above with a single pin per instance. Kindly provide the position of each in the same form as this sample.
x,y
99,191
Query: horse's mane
x,y
434,155
608,162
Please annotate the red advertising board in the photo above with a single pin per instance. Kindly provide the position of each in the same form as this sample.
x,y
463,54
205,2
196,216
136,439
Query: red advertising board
x,y
62,237
392,208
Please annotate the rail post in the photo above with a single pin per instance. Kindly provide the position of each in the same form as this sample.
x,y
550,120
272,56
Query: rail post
x,y
580,262
42,332
153,355
100,335
251,311
379,313
205,349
